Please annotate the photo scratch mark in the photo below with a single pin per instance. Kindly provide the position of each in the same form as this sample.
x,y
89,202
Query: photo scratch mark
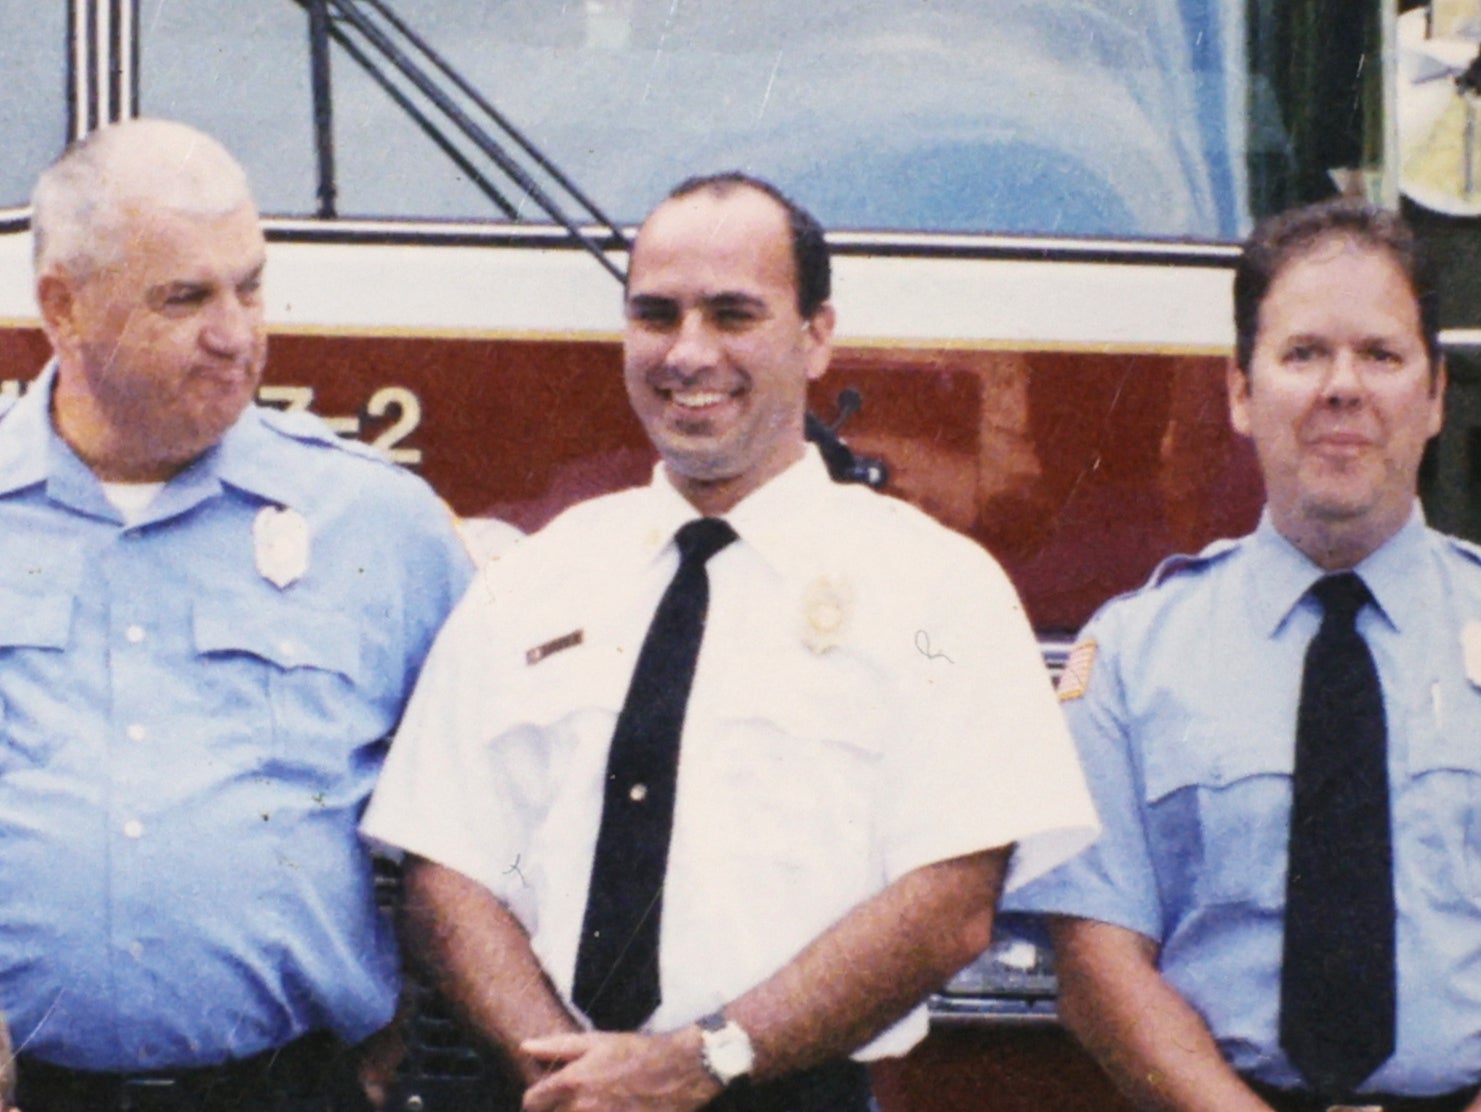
x,y
923,646
658,50
515,869
770,82
154,19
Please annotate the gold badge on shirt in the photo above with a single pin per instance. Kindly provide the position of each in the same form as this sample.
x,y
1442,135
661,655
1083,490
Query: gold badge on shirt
x,y
1074,681
280,537
1470,645
827,606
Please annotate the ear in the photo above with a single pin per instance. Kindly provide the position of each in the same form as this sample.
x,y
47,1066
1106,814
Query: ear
x,y
818,336
56,294
1437,393
1237,383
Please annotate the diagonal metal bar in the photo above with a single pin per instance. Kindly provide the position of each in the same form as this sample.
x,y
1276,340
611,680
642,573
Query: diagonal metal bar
x,y
469,90
427,125
844,465
471,130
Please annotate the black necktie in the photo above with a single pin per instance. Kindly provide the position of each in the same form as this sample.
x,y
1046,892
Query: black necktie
x,y
1337,979
616,982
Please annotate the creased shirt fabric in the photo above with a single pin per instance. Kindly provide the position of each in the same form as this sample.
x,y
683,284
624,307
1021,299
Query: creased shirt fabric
x,y
186,747
1187,730
868,699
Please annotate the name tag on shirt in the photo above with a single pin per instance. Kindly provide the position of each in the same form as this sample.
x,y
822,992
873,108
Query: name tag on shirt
x,y
550,648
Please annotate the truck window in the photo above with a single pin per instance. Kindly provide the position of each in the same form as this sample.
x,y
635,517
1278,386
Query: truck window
x,y
33,111
1116,118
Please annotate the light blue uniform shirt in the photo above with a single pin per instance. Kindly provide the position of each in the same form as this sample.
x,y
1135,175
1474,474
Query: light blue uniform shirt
x,y
185,748
1187,732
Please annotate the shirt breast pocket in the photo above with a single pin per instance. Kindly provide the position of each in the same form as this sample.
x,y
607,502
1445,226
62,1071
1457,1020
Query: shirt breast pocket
x,y
550,723
587,680
34,630
560,705
290,669
801,768
1440,809
1218,806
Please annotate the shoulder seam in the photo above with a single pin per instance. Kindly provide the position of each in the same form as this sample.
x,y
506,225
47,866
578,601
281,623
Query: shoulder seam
x,y
305,427
1469,549
1181,562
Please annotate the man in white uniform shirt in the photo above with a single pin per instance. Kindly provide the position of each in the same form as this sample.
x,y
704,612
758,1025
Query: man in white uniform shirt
x,y
870,747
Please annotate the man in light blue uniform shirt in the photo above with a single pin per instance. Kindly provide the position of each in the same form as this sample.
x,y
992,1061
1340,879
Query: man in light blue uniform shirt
x,y
1183,698
211,616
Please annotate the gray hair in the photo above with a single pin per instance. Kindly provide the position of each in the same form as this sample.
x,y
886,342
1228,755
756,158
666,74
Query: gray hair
x,y
80,207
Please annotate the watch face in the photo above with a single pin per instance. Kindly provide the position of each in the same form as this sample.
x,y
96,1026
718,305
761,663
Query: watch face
x,y
728,1052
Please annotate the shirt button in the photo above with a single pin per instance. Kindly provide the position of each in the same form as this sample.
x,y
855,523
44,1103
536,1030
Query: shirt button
x,y
136,950
137,732
638,792
289,649
134,634
133,829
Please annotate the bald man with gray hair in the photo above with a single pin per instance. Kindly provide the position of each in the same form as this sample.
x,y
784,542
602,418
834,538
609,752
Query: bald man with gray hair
x,y
211,616
80,202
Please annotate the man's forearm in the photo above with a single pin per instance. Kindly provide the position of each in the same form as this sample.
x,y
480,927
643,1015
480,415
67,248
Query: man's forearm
x,y
857,978
1156,1048
874,965
482,961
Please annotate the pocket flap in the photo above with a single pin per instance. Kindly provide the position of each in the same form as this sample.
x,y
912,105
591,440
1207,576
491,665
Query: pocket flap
x,y
287,636
35,621
1213,757
586,676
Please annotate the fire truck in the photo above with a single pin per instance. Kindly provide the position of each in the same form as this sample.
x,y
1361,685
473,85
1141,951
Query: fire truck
x,y
1034,210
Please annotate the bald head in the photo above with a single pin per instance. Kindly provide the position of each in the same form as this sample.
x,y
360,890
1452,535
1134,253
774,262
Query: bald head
x,y
82,203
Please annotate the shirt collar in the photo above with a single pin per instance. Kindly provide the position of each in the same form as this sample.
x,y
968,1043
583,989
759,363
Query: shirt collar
x,y
1391,572
768,520
1396,574
25,449
777,519
31,452
250,458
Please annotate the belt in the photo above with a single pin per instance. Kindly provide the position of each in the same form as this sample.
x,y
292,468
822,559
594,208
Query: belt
x,y
838,1086
316,1066
1298,1100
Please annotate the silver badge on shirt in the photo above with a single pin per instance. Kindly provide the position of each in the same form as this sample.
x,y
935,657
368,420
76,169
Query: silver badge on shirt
x,y
1470,645
281,539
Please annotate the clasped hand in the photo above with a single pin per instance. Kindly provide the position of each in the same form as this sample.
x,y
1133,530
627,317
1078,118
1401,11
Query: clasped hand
x,y
602,1071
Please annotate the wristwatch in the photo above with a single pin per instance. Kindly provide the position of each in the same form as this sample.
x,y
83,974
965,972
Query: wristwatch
x,y
725,1049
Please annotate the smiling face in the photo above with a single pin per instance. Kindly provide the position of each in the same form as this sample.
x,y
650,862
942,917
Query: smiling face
x,y
716,355
1340,399
160,350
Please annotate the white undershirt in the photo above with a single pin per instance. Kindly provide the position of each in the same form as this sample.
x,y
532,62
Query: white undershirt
x,y
131,499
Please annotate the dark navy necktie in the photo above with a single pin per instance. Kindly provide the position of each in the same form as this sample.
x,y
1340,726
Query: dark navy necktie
x,y
616,981
1337,1003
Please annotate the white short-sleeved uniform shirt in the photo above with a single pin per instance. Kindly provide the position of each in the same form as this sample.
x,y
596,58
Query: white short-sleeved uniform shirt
x,y
868,699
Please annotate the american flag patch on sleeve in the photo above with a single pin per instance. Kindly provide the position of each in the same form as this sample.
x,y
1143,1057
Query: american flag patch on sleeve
x,y
1074,681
